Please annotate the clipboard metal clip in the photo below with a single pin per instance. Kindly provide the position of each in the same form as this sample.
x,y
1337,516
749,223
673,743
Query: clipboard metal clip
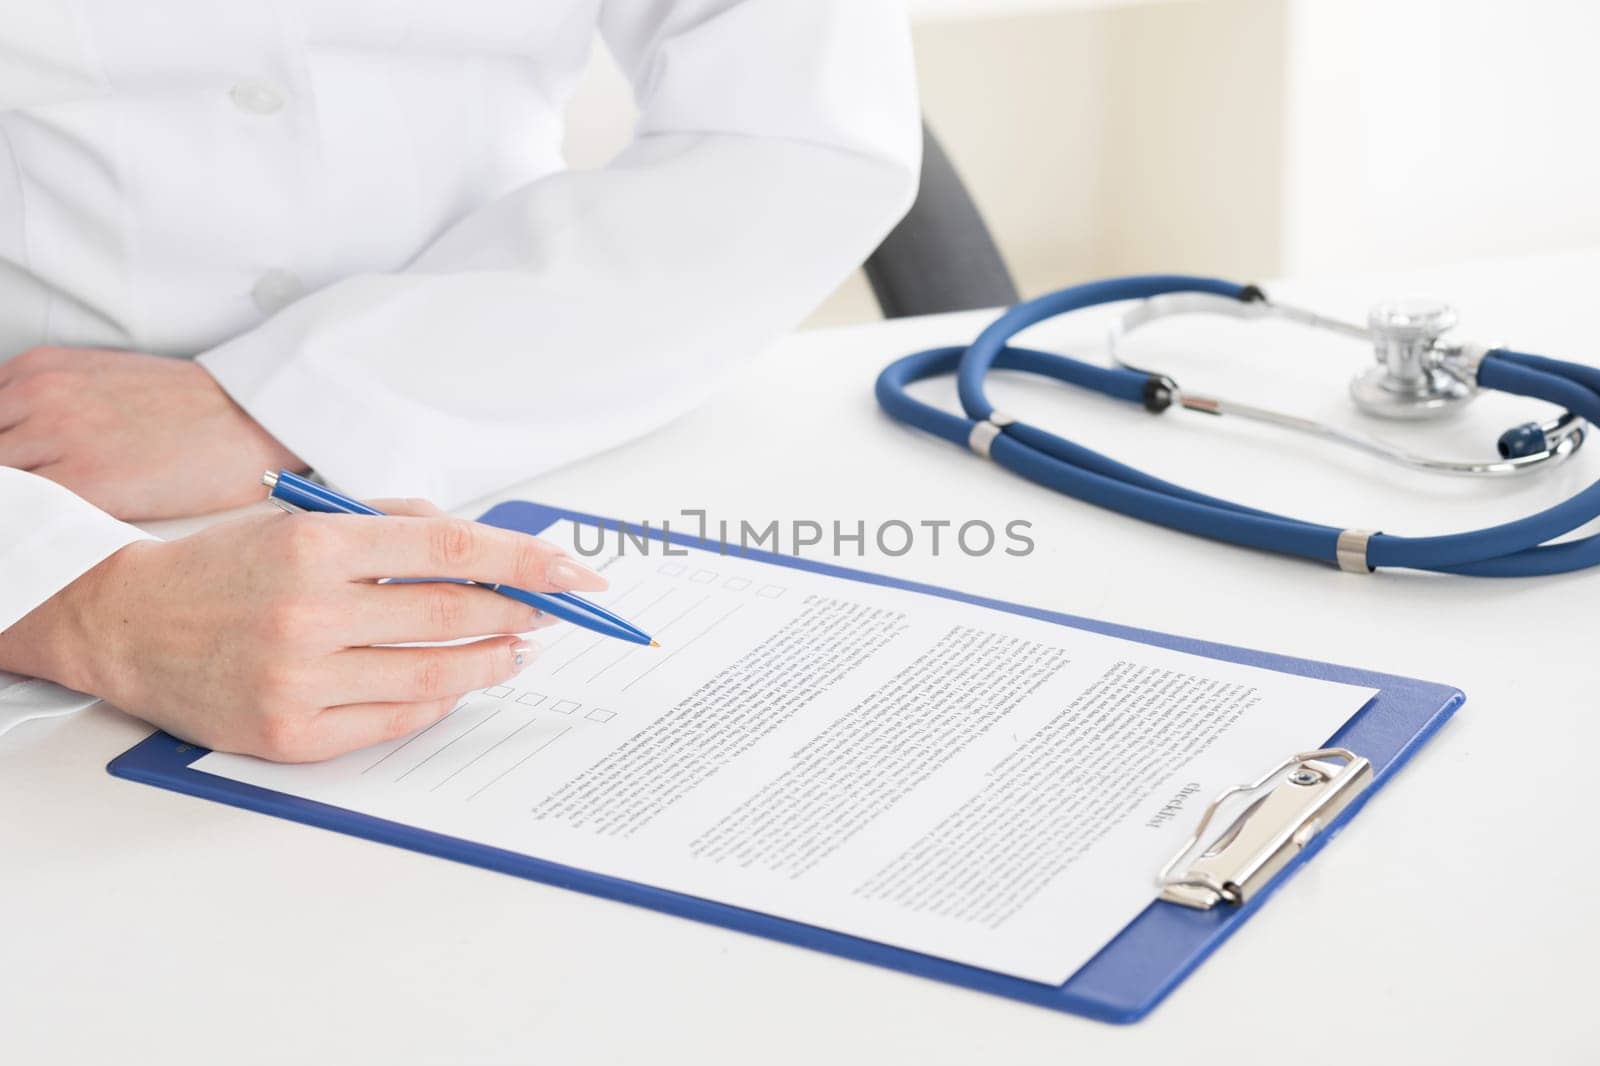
x,y
1309,792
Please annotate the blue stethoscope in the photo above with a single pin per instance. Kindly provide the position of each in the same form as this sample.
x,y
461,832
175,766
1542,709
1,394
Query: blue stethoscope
x,y
1420,372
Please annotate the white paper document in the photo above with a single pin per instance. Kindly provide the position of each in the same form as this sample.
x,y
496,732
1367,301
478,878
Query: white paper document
x,y
946,778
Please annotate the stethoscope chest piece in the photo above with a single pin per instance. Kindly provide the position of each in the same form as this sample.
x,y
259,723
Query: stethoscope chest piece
x,y
1422,372
1417,375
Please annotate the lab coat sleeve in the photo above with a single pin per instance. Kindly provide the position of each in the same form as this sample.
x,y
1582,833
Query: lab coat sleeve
x,y
778,141
48,537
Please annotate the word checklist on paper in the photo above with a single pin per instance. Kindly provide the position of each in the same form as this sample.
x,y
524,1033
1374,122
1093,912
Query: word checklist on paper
x,y
926,773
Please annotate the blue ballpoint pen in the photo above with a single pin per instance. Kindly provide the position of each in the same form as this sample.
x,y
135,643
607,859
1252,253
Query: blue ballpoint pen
x,y
294,491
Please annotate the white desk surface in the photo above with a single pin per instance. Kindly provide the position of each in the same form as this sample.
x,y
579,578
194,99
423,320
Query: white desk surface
x,y
1454,920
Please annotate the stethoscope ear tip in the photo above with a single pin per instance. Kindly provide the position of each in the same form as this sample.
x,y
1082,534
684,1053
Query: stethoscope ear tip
x,y
1524,441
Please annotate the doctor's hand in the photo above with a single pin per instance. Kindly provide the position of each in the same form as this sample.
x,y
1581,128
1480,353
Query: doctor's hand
x,y
137,435
260,635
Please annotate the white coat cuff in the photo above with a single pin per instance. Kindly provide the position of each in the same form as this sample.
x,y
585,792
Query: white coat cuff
x,y
48,538
22,699
354,434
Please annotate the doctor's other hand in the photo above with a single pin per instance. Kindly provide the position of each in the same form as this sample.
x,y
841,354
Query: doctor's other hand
x,y
140,436
263,635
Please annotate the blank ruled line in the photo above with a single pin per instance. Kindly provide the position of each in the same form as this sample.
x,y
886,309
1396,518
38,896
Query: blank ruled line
x,y
598,640
482,753
666,658
416,737
621,658
659,630
601,641
692,607
465,733
649,606
569,631
553,738
611,605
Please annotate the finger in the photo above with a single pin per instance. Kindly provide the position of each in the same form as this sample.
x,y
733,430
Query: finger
x,y
346,728
410,506
434,611
13,407
30,362
24,449
418,675
455,547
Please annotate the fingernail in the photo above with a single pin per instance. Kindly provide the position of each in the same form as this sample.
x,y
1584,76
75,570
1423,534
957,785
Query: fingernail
x,y
522,652
565,573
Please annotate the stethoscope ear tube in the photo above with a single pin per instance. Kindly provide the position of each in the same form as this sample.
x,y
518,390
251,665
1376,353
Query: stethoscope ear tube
x,y
1516,548
982,354
1519,548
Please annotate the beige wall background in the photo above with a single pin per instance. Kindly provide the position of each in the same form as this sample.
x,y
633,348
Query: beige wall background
x,y
1250,138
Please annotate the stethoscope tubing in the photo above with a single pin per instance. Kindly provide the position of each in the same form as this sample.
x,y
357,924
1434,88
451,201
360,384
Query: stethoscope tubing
x,y
1513,549
980,356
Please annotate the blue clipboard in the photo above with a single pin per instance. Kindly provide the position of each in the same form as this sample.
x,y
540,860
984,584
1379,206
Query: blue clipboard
x,y
1122,983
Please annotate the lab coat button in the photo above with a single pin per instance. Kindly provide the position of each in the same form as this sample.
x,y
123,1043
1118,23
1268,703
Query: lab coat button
x,y
276,290
256,97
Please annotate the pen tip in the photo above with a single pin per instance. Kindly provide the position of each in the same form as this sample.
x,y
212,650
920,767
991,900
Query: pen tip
x,y
655,644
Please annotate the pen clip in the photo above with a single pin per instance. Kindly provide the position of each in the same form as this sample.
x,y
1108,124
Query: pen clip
x,y
270,480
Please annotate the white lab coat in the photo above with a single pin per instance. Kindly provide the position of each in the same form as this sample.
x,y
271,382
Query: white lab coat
x,y
355,215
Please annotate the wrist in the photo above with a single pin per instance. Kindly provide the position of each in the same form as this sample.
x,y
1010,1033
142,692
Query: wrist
x,y
71,638
274,453
97,615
